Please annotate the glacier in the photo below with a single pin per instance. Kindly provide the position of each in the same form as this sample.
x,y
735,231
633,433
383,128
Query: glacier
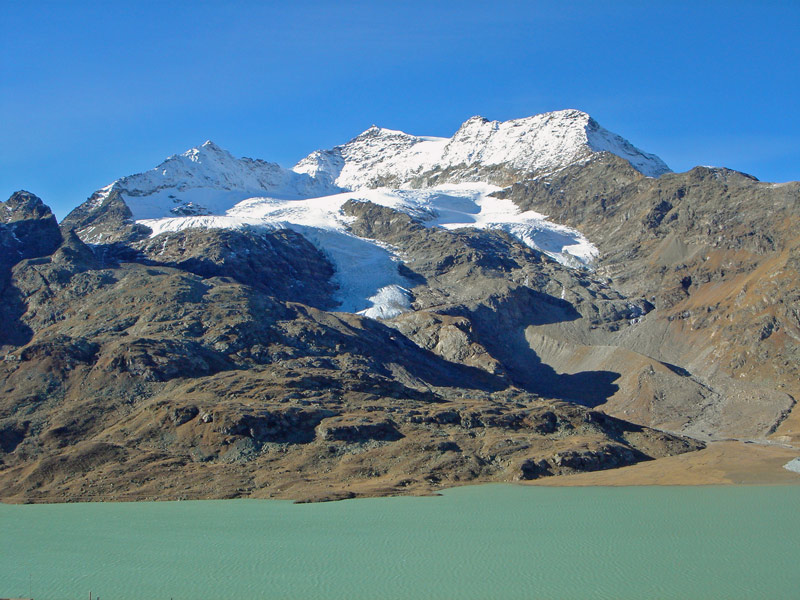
x,y
365,267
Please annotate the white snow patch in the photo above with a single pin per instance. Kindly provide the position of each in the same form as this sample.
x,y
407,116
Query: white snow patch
x,y
99,197
793,465
389,302
471,205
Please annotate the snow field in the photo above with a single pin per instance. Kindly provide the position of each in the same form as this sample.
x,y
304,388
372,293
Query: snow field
x,y
366,270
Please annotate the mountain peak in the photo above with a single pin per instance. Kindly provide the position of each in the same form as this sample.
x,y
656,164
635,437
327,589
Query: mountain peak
x,y
208,147
24,205
208,151
206,179
568,115
541,143
529,146
375,131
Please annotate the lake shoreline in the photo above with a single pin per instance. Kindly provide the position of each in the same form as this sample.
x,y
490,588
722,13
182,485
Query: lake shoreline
x,y
727,463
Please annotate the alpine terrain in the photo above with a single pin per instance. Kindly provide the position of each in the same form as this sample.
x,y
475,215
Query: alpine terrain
x,y
523,300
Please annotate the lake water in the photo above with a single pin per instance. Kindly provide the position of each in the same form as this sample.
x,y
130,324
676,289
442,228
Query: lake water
x,y
483,542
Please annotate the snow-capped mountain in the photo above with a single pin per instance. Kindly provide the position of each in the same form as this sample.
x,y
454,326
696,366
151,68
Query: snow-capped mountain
x,y
531,146
535,306
207,180
207,187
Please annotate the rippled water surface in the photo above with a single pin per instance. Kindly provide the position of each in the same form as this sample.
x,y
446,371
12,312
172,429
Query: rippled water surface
x,y
482,542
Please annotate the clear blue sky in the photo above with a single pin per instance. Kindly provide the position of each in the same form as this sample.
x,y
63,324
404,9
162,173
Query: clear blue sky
x,y
93,91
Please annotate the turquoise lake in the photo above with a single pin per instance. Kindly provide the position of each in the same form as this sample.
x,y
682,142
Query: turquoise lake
x,y
482,542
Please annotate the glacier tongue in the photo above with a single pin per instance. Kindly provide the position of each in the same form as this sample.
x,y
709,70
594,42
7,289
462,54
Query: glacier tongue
x,y
389,302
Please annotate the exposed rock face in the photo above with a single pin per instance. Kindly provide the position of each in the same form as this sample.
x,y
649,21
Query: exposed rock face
x,y
105,219
714,252
27,228
282,263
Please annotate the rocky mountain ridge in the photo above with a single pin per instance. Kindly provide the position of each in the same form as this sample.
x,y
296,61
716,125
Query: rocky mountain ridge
x,y
534,145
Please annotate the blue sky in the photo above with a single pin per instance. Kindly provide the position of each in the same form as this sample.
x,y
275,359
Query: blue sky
x,y
93,91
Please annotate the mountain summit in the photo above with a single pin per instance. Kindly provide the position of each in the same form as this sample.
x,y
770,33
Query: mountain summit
x,y
205,180
530,146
